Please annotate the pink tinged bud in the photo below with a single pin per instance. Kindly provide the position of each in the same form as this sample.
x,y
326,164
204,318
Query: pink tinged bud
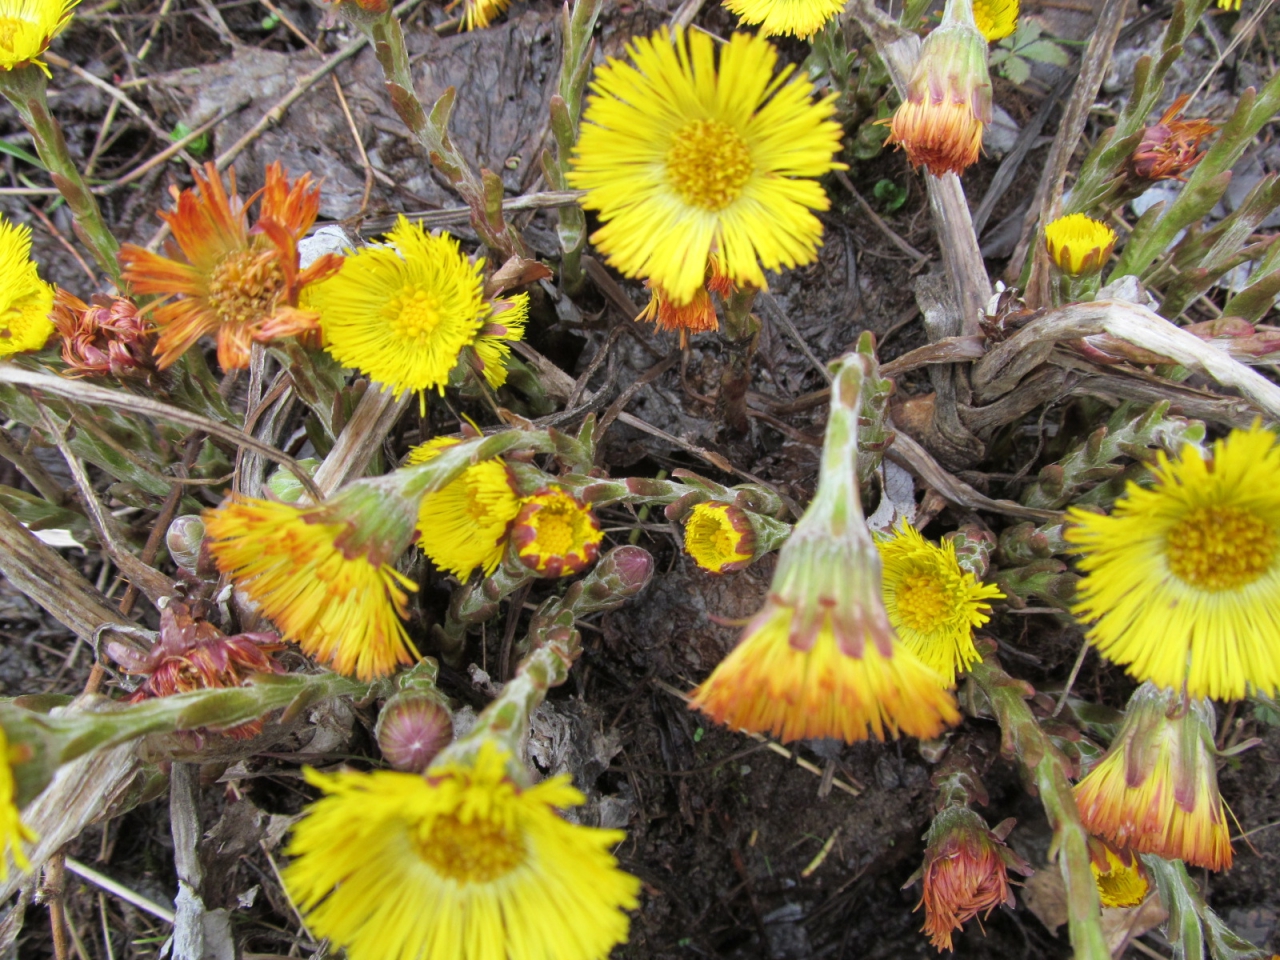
x,y
412,729
185,540
633,566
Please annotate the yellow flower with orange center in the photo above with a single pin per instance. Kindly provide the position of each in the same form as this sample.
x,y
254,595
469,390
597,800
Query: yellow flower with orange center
x,y
462,861
996,19
1119,875
27,27
932,602
1182,580
25,299
464,524
324,574
1156,790
240,284
719,537
554,535
797,18
948,102
685,151
13,832
1079,245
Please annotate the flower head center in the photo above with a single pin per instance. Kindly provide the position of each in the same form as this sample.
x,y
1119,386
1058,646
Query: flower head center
x,y
1221,548
415,315
708,164
922,601
556,528
246,286
10,27
476,850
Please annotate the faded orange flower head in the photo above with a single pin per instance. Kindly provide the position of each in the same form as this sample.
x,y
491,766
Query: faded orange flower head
x,y
107,337
224,278
1171,147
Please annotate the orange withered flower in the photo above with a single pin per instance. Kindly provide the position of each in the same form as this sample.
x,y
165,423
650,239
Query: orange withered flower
x,y
948,102
1171,147
226,278
698,315
193,654
965,872
106,337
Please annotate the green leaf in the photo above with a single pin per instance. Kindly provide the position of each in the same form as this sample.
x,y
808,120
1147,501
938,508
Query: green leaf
x,y
1045,51
197,147
890,195
16,151
1017,70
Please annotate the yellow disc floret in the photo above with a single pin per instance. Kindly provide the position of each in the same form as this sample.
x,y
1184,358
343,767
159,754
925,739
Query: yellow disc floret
x,y
555,535
719,537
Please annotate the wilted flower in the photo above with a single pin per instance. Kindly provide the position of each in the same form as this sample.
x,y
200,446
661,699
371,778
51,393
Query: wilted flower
x,y
555,535
25,299
193,654
325,574
1119,874
965,872
27,27
719,537
240,284
1172,147
932,602
464,524
1156,790
465,861
413,726
996,19
105,338
698,315
1182,580
682,158
797,18
402,312
1079,245
13,832
820,659
948,102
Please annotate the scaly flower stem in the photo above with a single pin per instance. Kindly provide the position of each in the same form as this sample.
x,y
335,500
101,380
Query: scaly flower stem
x,y
25,87
475,603
45,741
1047,769
551,647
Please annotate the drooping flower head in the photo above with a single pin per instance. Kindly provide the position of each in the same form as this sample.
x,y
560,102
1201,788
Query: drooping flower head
x,y
226,279
27,27
554,535
1120,876
13,832
820,659
932,602
719,537
698,314
948,102
402,312
25,299
1156,790
965,872
1079,245
324,574
1171,147
464,524
996,19
106,338
1182,580
466,861
797,18
683,156
193,654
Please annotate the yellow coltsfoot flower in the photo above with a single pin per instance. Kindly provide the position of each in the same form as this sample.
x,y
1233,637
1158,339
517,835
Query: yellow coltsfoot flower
x,y
478,14
719,537
325,574
27,27
402,313
554,535
1079,245
1156,790
948,102
996,19
932,602
1119,874
25,299
1182,580
682,155
463,861
492,349
820,659
13,832
464,524
797,18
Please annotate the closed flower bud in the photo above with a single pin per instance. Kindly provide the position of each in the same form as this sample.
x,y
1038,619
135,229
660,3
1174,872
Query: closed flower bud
x,y
412,728
185,540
